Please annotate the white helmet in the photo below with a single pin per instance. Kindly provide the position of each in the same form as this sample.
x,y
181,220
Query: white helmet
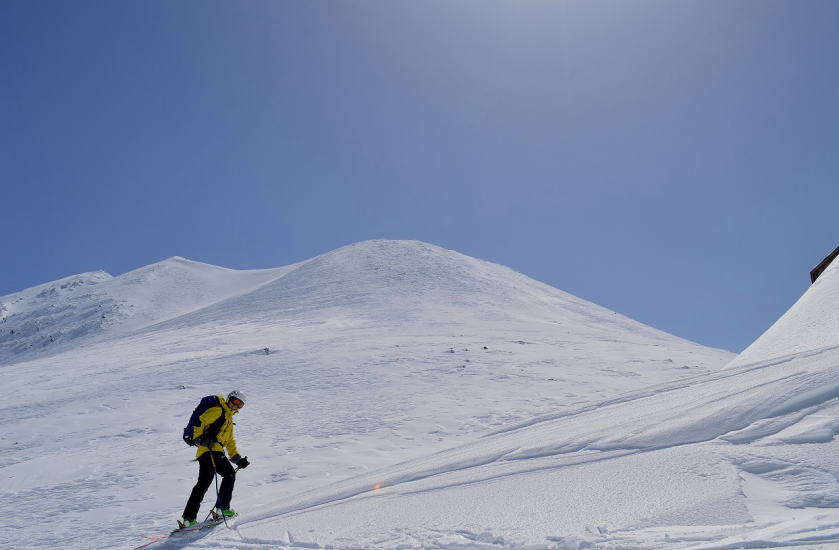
x,y
236,394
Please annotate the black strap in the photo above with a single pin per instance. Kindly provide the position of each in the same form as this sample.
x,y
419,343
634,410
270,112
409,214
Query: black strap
x,y
213,429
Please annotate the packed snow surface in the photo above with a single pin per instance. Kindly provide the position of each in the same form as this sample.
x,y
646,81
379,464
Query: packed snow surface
x,y
406,396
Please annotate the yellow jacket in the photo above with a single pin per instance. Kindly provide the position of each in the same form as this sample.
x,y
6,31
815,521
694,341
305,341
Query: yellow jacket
x,y
224,438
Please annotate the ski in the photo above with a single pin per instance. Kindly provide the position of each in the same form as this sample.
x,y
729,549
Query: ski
x,y
212,521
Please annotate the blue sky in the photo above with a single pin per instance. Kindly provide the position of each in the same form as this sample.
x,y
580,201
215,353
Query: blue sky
x,y
673,160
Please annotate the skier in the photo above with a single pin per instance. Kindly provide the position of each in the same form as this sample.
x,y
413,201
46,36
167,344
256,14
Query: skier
x,y
212,433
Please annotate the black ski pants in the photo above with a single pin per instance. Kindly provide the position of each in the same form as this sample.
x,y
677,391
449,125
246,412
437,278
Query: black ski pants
x,y
206,472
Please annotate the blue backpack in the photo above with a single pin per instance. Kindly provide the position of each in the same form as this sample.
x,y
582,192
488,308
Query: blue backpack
x,y
211,431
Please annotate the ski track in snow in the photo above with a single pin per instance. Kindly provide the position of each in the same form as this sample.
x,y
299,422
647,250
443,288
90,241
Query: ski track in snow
x,y
413,398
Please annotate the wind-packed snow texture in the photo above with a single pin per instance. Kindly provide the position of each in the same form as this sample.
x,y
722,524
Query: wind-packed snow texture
x,y
406,396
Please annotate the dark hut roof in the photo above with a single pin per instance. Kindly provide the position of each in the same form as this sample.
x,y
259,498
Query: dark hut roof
x,y
823,265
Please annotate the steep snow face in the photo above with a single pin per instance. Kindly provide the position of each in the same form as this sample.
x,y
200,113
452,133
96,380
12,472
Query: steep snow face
x,y
46,318
811,324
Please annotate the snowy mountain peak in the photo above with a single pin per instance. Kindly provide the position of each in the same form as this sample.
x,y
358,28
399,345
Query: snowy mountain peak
x,y
172,265
380,281
388,252
382,268
396,282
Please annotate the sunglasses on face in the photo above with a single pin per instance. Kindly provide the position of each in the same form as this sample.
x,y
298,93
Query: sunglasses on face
x,y
236,403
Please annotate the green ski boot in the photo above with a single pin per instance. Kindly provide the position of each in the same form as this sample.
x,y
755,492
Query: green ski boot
x,y
220,513
183,522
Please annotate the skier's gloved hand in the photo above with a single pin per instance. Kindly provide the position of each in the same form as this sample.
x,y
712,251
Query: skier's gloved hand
x,y
189,441
240,461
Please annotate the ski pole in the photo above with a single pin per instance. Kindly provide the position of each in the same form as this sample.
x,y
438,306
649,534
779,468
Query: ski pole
x,y
215,478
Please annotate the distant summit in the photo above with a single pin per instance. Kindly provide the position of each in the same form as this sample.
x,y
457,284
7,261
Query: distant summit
x,y
379,282
49,317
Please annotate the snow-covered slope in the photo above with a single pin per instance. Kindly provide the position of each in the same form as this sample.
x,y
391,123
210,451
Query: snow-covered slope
x,y
365,357
740,458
